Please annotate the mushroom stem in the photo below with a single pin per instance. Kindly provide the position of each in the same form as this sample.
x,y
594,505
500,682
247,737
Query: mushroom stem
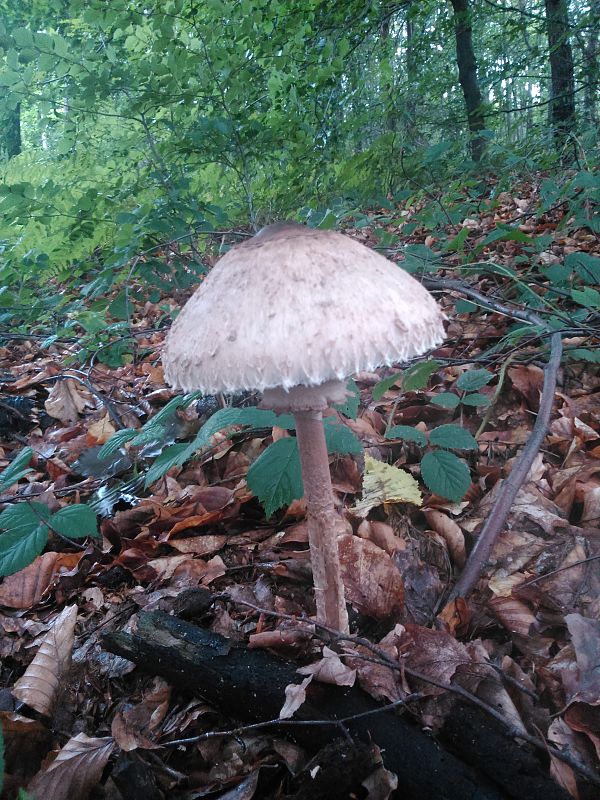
x,y
324,523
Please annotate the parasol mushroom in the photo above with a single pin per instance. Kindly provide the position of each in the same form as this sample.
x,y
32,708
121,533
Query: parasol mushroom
x,y
293,312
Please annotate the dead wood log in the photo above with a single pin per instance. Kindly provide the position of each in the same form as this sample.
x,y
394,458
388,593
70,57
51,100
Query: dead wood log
x,y
249,686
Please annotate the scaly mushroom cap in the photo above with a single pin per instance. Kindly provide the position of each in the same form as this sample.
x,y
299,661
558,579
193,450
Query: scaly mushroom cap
x,y
294,306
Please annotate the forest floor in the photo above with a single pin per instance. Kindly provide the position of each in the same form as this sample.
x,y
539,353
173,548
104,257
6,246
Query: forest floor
x,y
522,648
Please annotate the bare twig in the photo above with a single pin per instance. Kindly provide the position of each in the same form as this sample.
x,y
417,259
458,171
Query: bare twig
x,y
510,487
296,723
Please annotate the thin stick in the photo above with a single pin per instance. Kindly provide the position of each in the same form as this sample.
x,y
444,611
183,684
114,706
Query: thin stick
x,y
510,487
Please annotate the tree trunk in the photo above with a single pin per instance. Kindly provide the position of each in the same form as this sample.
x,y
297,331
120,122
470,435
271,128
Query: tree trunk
x,y
590,97
562,97
467,75
11,131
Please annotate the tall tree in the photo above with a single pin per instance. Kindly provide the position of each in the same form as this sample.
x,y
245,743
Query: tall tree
x,y
10,131
562,98
467,75
590,98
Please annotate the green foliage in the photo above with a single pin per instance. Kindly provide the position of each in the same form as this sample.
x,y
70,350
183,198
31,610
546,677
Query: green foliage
x,y
276,476
442,472
16,470
445,474
26,525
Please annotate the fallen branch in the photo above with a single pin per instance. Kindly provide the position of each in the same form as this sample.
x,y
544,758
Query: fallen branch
x,y
381,657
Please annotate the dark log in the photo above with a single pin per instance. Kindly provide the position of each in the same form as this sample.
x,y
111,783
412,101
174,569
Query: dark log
x,y
249,686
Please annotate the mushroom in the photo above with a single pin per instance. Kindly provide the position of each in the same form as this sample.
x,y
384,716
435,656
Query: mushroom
x,y
293,312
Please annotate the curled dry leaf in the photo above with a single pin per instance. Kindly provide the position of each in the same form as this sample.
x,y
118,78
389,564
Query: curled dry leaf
x,y
295,695
560,735
100,432
138,725
450,532
372,581
38,686
75,771
583,684
330,669
26,588
65,402
382,535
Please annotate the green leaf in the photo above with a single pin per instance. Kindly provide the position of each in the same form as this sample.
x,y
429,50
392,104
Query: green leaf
x,y
386,383
504,233
406,433
172,456
420,258
25,535
445,475
586,266
340,438
588,297
8,77
445,400
464,307
593,356
473,379
350,407
475,399
276,477
116,441
75,522
453,437
417,376
17,469
458,242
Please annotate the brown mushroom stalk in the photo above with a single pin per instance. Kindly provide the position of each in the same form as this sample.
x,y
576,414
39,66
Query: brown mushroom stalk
x,y
324,523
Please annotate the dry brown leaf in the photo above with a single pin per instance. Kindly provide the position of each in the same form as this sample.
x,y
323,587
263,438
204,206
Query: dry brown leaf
x,y
564,738
513,614
75,771
138,725
330,669
583,684
101,431
373,582
450,532
38,686
198,545
26,588
381,534
65,402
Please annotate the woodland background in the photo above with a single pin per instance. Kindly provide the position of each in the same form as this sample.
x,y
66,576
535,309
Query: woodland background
x,y
138,142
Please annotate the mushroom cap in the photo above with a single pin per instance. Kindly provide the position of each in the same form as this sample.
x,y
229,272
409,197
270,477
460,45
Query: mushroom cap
x,y
298,306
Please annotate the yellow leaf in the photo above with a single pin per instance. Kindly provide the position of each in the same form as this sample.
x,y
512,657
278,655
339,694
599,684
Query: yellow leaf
x,y
102,430
384,484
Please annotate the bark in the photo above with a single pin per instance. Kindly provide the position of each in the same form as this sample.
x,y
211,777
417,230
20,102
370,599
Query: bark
x,y
590,98
11,131
249,686
467,75
324,523
562,96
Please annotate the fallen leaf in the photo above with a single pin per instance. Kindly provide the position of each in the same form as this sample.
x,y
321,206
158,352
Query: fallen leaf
x,y
382,484
372,581
295,695
65,402
75,771
39,685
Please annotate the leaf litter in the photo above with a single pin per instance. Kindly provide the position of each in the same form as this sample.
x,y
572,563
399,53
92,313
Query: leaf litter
x,y
195,541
